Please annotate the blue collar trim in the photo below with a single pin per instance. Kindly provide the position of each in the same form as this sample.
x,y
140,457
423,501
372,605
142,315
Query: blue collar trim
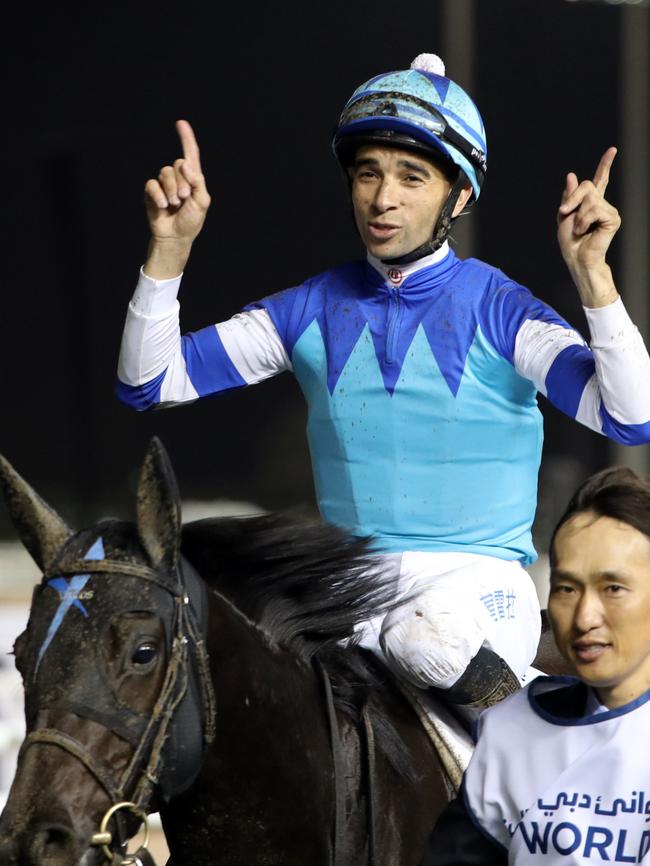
x,y
569,690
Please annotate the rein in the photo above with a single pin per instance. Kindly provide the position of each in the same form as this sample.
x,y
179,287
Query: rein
x,y
341,855
339,771
372,792
185,633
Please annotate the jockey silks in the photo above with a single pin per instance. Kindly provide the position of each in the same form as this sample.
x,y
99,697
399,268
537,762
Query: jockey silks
x,y
421,384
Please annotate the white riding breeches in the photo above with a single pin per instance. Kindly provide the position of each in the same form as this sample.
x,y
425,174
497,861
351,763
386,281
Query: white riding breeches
x,y
448,605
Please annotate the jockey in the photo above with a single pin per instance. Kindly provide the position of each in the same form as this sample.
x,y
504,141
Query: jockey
x,y
558,774
420,371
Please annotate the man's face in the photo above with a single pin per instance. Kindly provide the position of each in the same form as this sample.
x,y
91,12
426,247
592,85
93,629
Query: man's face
x,y
600,605
397,198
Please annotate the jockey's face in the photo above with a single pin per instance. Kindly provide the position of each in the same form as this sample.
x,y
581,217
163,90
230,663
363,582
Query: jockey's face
x,y
397,198
600,605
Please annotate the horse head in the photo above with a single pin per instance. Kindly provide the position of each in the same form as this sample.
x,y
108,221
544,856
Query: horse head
x,y
314,735
114,671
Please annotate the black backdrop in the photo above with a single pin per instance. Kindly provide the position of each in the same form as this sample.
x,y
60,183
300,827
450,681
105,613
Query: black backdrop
x,y
90,103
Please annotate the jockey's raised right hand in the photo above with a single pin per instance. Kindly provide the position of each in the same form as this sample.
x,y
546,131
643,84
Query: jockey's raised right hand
x,y
177,203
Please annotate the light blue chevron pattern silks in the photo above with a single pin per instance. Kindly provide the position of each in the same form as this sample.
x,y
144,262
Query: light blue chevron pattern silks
x,y
423,423
459,471
69,593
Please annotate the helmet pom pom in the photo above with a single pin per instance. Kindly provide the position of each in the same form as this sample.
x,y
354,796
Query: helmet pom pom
x,y
429,63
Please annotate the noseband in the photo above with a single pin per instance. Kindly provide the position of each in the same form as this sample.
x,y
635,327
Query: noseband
x,y
149,743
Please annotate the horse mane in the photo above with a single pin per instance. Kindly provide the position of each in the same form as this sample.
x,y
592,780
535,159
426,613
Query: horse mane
x,y
307,585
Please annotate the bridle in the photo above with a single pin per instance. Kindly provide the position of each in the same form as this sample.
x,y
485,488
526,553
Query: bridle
x,y
133,789
149,735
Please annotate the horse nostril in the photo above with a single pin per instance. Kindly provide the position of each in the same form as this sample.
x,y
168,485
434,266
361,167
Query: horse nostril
x,y
56,836
52,844
9,854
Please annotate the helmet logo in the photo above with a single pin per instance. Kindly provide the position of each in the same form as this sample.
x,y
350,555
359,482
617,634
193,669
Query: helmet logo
x,y
479,156
395,276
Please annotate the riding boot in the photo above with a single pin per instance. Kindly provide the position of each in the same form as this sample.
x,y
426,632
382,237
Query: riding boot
x,y
487,680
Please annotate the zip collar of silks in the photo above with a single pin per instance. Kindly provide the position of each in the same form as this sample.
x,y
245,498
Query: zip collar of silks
x,y
426,273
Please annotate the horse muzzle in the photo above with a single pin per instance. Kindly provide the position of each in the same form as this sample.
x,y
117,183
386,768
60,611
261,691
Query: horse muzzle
x,y
46,845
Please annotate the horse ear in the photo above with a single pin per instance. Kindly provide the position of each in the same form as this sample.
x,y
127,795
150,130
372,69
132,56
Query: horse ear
x,y
40,528
159,508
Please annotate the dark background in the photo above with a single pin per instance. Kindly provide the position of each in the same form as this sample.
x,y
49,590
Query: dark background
x,y
90,103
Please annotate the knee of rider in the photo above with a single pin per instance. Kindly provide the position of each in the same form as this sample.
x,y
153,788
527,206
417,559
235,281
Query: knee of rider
x,y
430,649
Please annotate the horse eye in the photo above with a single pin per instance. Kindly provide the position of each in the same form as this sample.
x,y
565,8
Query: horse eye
x,y
144,654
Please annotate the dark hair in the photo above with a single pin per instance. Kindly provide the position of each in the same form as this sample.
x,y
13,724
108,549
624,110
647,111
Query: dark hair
x,y
617,492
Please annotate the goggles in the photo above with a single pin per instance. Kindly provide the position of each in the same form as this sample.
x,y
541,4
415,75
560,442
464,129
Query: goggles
x,y
416,113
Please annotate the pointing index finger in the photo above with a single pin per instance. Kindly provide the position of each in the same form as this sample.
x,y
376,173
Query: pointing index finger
x,y
601,177
189,145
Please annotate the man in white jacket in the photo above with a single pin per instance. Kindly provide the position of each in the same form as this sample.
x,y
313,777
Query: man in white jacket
x,y
559,774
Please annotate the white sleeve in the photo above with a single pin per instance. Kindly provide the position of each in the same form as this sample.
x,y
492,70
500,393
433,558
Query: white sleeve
x,y
241,351
151,339
617,367
622,377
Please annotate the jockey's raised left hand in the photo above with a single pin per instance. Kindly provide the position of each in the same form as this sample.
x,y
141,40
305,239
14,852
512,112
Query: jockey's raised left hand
x,y
587,222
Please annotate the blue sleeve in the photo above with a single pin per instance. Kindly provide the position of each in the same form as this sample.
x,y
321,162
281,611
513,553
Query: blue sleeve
x,y
560,363
208,366
208,369
292,311
504,313
504,310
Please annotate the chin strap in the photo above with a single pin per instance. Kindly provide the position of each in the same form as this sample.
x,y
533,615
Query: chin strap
x,y
440,230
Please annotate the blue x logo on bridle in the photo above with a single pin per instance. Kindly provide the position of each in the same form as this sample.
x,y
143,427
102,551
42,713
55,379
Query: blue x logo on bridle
x,y
69,592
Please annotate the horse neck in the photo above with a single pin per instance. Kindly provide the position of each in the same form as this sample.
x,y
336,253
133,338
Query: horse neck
x,y
261,690
271,757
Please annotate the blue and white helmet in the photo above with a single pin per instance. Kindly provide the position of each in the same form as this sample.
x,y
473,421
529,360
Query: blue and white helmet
x,y
418,109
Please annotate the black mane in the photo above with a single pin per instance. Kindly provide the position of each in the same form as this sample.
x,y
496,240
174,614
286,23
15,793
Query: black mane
x,y
307,585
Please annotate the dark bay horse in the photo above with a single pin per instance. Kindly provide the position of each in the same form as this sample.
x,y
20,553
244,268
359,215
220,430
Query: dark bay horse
x,y
190,669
